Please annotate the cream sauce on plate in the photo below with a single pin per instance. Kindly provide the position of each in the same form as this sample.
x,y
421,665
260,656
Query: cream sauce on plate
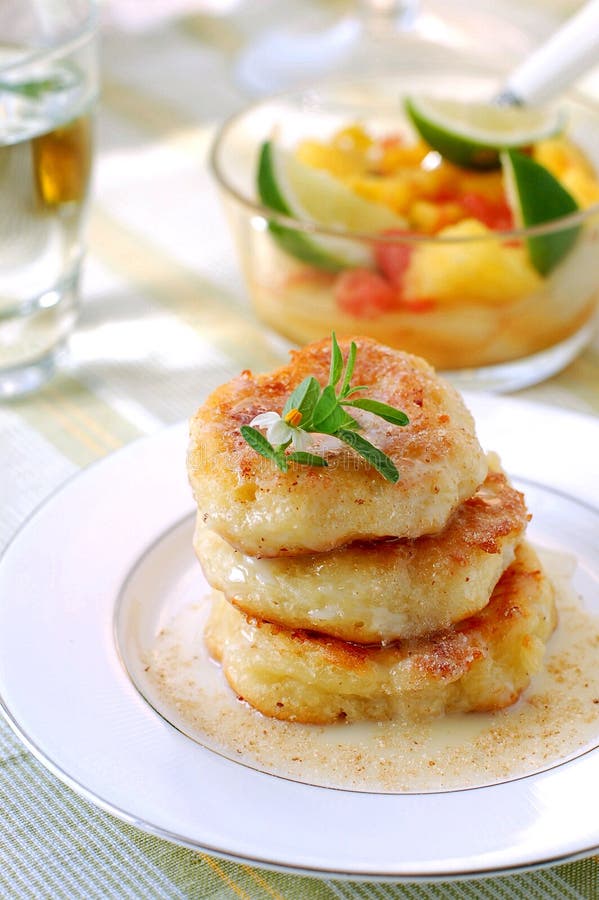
x,y
556,719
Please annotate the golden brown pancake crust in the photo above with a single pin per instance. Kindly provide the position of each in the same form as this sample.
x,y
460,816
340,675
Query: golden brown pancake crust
x,y
374,592
484,663
264,512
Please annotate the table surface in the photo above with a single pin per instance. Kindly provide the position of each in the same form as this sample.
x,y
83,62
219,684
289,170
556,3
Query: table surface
x,y
165,320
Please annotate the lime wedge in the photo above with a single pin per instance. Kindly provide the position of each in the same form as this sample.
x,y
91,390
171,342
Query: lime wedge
x,y
471,134
301,192
537,197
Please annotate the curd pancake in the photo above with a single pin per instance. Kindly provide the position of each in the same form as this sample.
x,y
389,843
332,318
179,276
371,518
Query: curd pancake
x,y
265,512
370,593
484,663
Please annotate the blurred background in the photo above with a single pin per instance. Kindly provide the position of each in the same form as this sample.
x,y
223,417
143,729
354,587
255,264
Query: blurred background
x,y
172,70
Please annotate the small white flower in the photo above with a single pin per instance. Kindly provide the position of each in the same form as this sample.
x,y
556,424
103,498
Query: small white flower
x,y
279,430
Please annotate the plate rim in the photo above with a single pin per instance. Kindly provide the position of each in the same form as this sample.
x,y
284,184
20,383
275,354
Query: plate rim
x,y
272,865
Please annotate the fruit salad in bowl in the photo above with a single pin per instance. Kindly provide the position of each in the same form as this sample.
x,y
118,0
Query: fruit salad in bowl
x,y
420,214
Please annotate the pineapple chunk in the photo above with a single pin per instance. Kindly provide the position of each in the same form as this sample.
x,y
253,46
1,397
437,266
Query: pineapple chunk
x,y
583,188
559,155
429,218
486,184
569,164
484,271
396,193
352,139
338,162
388,156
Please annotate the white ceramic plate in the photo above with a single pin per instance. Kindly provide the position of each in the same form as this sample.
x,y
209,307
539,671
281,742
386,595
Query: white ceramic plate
x,y
66,693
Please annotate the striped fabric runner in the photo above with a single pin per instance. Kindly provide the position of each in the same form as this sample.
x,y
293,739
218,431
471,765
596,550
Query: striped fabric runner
x,y
164,321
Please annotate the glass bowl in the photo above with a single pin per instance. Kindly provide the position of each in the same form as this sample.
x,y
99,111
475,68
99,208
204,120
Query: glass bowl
x,y
482,313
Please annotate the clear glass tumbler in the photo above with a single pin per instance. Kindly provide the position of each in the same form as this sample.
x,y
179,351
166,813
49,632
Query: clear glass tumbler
x,y
48,86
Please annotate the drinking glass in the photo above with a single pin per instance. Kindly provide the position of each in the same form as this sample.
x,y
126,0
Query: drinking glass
x,y
48,85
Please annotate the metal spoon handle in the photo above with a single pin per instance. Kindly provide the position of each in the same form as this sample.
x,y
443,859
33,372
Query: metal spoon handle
x,y
572,50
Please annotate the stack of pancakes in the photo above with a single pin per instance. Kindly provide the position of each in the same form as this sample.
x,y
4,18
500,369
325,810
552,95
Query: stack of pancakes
x,y
344,596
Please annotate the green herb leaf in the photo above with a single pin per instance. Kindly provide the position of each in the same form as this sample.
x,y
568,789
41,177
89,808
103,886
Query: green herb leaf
x,y
281,458
327,403
328,415
379,460
295,398
262,445
383,410
309,403
304,398
337,418
354,390
307,459
350,423
34,89
349,369
64,78
336,362
258,442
